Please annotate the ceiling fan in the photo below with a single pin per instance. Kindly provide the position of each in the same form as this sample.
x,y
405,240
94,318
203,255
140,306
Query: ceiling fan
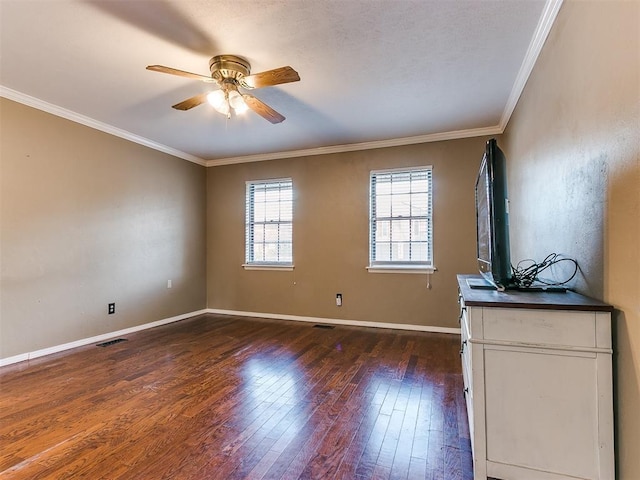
x,y
230,73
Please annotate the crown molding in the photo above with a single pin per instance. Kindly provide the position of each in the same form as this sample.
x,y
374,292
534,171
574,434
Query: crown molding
x,y
352,147
38,104
547,19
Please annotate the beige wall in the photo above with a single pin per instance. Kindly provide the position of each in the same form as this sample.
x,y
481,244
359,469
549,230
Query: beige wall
x,y
573,146
88,219
331,233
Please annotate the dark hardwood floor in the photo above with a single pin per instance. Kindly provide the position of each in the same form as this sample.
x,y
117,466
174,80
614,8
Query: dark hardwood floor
x,y
219,397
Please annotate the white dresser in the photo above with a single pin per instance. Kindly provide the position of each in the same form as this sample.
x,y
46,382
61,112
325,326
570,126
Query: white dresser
x,y
538,384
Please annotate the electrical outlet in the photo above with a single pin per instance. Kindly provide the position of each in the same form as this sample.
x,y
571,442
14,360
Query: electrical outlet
x,y
339,299
112,308
169,284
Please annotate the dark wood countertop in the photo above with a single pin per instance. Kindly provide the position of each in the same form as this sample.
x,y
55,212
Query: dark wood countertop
x,y
535,300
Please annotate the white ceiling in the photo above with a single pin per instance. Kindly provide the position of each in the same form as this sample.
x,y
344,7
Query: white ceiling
x,y
373,72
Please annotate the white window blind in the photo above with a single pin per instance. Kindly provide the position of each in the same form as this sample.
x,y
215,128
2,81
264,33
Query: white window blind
x,y
401,221
269,222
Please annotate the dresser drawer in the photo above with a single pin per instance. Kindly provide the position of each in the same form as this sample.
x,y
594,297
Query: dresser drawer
x,y
540,327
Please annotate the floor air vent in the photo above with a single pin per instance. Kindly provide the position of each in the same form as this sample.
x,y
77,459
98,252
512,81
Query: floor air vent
x,y
326,327
111,342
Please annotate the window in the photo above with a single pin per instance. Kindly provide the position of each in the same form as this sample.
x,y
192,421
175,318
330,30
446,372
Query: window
x,y
401,223
269,229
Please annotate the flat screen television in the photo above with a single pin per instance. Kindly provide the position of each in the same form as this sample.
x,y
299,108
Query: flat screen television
x,y
492,219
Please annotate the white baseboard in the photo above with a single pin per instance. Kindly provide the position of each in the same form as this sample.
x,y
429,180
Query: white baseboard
x,y
98,338
336,321
275,316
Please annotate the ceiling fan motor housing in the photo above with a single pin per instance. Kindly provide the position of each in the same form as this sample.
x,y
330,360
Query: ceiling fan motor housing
x,y
225,67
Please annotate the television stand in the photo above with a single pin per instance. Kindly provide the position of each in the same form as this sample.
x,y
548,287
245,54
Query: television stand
x,y
537,376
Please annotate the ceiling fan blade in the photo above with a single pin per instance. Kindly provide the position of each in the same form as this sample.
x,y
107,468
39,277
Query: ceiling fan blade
x,y
191,102
271,77
180,73
262,109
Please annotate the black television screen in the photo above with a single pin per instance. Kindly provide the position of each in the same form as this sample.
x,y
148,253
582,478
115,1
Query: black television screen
x,y
492,218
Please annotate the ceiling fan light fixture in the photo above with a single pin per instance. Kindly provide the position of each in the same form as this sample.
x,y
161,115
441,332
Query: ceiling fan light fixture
x,y
237,102
218,100
225,99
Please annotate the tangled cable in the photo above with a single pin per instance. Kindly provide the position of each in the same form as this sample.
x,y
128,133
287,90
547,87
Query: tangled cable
x,y
525,275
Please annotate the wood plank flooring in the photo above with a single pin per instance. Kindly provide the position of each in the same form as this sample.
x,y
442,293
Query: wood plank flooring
x,y
221,397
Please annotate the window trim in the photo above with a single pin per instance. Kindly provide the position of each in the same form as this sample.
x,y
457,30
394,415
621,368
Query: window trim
x,y
401,266
261,265
404,268
278,267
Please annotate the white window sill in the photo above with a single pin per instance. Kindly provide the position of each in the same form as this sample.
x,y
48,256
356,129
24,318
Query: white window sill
x,y
401,269
275,267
